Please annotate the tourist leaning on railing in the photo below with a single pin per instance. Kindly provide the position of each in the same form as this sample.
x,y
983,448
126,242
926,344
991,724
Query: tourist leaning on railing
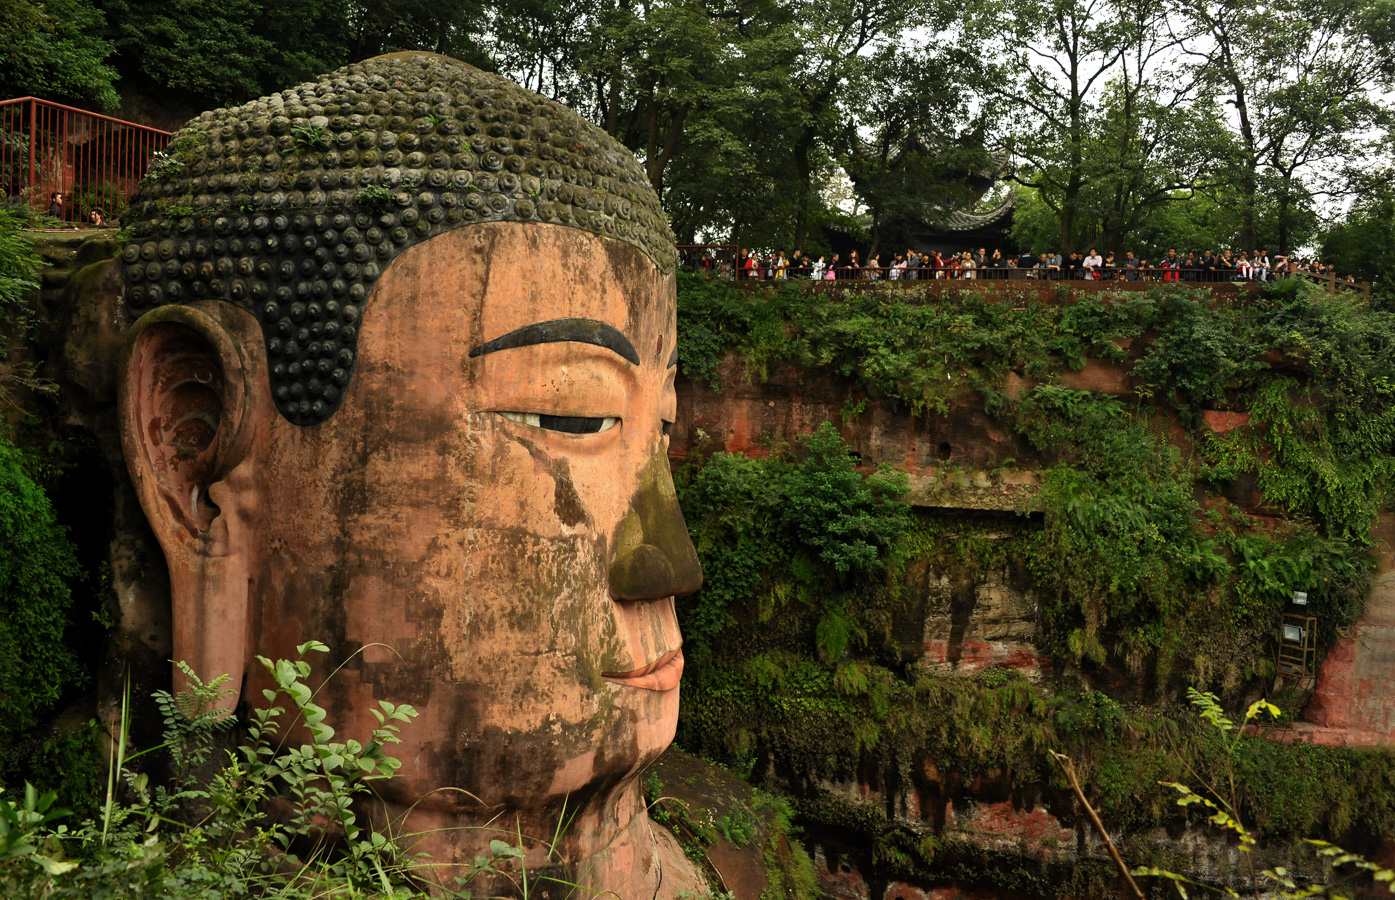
x,y
1209,267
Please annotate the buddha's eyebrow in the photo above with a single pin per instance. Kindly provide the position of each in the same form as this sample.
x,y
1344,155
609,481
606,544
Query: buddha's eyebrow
x,y
582,331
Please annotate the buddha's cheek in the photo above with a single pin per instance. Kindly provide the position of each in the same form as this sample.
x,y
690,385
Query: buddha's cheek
x,y
530,617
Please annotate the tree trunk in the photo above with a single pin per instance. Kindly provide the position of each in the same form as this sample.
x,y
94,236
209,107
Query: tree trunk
x,y
802,169
1248,198
612,112
656,158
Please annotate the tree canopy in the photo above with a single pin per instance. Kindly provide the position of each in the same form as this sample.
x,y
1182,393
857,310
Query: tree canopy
x,y
1126,124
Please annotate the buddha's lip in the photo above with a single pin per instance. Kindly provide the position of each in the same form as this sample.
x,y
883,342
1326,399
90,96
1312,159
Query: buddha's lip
x,y
663,674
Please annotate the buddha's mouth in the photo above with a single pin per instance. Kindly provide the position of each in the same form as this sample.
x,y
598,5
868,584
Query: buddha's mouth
x,y
663,674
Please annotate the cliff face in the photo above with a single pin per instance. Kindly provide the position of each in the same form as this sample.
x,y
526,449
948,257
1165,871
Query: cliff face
x,y
60,377
895,815
966,464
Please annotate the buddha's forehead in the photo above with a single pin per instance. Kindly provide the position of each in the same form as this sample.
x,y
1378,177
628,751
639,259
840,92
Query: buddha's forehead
x,y
530,274
489,280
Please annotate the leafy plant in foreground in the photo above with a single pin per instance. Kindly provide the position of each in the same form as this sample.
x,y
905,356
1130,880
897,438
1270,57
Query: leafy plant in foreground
x,y
201,837
1221,805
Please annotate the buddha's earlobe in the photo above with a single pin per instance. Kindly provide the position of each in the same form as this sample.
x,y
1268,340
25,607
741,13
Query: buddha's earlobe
x,y
189,423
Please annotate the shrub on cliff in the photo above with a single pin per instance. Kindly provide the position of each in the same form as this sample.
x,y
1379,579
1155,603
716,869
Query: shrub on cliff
x,y
810,514
19,264
36,568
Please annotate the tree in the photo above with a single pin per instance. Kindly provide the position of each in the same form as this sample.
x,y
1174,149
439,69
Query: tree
x,y
1156,133
1301,77
223,52
1062,53
838,37
732,176
916,166
1363,243
56,50
457,28
653,65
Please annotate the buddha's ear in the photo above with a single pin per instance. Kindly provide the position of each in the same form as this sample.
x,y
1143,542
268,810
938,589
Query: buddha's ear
x,y
191,412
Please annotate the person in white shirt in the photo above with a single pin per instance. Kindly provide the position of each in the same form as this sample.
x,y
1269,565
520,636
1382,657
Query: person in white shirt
x,y
817,272
1093,263
1259,266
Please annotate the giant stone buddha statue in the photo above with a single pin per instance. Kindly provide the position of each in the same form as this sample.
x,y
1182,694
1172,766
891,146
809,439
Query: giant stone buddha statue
x,y
402,382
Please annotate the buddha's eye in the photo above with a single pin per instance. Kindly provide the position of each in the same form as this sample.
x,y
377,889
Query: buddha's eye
x,y
668,428
564,424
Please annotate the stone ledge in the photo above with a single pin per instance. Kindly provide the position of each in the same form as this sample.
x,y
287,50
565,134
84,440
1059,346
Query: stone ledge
x,y
1013,492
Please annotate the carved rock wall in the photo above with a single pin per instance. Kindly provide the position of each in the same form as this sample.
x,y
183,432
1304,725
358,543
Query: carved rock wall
x,y
1353,703
973,624
985,845
745,414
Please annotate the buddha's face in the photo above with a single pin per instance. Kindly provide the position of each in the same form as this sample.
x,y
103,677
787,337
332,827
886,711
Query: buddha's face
x,y
489,518
492,506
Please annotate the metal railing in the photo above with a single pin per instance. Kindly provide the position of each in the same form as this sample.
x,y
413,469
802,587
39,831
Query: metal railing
x,y
852,276
94,161
710,259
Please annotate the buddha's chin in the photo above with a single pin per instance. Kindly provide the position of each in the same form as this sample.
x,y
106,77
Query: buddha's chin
x,y
657,720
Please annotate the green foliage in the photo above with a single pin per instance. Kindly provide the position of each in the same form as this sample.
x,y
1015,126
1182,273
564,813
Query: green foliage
x,y
906,344
1119,506
226,52
373,198
1320,447
67,762
19,264
310,137
36,571
201,838
1230,755
164,165
107,198
1363,244
57,50
1197,355
812,511
1131,569
1155,580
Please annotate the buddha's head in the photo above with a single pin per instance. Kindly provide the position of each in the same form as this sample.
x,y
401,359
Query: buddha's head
x,y
404,386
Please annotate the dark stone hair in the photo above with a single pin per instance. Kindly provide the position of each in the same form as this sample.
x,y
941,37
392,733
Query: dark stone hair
x,y
291,206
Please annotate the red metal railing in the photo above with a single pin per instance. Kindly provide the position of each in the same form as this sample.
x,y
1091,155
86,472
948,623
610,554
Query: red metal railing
x,y
93,161
712,259
855,277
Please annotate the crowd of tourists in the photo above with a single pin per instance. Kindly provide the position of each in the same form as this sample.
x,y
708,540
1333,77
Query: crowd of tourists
x,y
1092,266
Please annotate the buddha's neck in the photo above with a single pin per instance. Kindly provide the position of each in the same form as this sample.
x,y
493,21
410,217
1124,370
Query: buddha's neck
x,y
608,846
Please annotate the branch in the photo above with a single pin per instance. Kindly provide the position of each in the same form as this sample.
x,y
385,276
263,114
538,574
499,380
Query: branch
x,y
1068,769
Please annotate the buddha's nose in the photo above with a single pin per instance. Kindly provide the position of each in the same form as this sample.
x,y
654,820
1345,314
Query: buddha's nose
x,y
654,557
